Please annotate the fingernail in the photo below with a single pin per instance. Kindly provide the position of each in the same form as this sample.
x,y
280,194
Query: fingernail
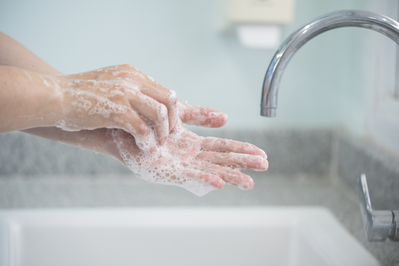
x,y
225,117
264,154
247,185
220,184
265,165
217,182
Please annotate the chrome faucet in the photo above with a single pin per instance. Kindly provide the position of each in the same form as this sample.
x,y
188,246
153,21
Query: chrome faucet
x,y
379,225
338,19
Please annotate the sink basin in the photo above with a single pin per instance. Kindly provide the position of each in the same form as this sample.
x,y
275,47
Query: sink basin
x,y
177,236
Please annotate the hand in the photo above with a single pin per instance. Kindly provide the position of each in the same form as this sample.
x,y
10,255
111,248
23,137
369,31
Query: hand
x,y
118,97
203,164
198,164
219,153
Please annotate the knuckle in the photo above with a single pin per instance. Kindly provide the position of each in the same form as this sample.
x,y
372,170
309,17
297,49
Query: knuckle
x,y
127,67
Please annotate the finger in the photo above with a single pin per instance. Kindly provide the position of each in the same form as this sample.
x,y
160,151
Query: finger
x,y
201,116
235,160
226,145
207,178
134,124
232,177
152,110
149,87
164,96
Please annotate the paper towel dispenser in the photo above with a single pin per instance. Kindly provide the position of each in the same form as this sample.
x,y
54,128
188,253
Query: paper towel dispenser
x,y
257,22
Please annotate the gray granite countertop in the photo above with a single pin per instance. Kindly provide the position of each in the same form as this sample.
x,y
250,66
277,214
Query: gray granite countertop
x,y
321,172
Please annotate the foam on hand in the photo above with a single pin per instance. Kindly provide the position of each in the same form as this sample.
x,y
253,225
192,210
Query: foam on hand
x,y
171,164
185,159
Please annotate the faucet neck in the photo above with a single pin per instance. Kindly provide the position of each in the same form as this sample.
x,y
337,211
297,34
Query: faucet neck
x,y
338,19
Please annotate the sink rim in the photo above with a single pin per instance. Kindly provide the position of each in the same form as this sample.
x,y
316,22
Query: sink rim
x,y
309,222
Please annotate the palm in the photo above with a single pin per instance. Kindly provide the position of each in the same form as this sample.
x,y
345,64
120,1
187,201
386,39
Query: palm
x,y
198,164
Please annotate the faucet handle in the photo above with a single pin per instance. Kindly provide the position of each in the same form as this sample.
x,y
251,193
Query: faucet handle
x,y
379,225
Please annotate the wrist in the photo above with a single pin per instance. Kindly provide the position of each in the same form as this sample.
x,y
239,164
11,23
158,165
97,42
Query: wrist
x,y
51,100
27,100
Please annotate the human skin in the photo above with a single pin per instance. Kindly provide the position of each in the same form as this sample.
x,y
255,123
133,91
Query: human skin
x,y
196,163
212,160
112,97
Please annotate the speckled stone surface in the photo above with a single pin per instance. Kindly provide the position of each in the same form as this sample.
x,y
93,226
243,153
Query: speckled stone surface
x,y
23,154
27,155
307,168
355,157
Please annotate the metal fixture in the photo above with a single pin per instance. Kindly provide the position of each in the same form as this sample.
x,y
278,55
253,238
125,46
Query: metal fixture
x,y
339,19
379,225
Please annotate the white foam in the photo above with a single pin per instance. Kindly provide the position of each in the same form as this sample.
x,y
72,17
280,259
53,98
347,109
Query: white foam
x,y
81,104
165,166
103,105
106,107
60,124
116,92
47,83
162,112
170,164
66,126
172,96
28,75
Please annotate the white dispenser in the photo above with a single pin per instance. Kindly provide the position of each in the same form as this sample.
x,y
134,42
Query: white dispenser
x,y
257,22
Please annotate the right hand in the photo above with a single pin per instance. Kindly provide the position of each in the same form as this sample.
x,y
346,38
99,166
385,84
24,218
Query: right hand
x,y
117,97
196,163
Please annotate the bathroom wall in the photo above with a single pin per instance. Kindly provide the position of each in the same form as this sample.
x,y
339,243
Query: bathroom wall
x,y
177,43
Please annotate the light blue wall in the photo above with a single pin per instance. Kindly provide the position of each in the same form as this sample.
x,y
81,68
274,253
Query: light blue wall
x,y
177,43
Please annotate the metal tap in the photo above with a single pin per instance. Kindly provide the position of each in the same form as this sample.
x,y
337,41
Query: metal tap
x,y
338,19
379,225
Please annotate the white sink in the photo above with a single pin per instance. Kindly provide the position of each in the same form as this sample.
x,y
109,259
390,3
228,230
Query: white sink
x,y
177,236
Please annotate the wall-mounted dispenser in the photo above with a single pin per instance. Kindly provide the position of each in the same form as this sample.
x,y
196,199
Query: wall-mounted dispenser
x,y
257,22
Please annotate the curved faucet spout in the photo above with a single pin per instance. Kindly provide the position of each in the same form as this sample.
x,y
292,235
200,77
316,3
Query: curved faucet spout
x,y
338,19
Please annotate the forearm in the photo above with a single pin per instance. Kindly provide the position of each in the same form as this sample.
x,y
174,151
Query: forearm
x,y
27,100
99,140
14,54
111,97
